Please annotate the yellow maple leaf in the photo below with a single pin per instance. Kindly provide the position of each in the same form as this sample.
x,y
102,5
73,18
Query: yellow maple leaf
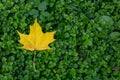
x,y
36,40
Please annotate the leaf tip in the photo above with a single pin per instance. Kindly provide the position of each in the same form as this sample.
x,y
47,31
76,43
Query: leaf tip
x,y
35,20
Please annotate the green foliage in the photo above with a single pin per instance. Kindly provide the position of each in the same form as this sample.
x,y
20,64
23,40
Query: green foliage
x,y
87,45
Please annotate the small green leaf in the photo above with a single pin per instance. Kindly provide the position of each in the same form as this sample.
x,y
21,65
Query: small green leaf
x,y
34,12
42,6
116,47
106,20
115,36
87,42
1,6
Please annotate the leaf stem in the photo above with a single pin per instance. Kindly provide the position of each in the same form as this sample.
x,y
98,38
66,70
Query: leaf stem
x,y
34,61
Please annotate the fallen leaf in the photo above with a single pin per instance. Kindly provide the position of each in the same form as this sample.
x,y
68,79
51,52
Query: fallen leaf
x,y
36,40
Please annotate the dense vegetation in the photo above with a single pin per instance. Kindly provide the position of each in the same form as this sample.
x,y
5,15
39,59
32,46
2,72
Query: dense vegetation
x,y
87,45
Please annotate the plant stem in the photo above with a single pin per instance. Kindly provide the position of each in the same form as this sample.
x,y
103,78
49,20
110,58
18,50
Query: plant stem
x,y
34,61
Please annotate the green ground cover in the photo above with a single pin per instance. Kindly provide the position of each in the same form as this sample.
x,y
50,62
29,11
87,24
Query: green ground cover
x,y
87,45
